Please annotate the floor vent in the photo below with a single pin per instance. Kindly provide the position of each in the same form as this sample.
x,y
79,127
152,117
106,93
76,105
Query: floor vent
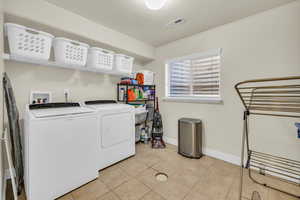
x,y
161,177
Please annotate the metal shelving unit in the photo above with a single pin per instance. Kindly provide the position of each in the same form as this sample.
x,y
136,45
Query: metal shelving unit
x,y
128,86
277,97
152,99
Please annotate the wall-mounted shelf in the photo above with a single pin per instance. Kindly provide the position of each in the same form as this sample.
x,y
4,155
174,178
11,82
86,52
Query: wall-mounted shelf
x,y
59,65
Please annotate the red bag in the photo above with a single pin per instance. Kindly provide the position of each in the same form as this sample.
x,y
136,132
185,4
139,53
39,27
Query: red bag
x,y
140,78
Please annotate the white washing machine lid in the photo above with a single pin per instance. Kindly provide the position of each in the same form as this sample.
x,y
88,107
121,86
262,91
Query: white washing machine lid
x,y
59,111
109,106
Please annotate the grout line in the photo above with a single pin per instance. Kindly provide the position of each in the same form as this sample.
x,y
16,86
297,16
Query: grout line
x,y
145,194
110,190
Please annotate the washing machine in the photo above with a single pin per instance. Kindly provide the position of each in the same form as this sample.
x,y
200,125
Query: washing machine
x,y
116,131
60,152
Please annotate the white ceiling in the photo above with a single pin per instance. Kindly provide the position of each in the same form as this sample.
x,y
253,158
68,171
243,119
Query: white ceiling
x,y
131,17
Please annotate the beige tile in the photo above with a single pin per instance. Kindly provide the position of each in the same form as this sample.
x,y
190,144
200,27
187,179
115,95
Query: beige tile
x,y
207,161
185,177
133,166
22,196
196,195
174,188
66,197
283,185
172,147
152,196
171,190
149,158
148,178
131,190
223,168
194,166
275,195
168,167
109,196
171,156
234,193
140,148
248,188
214,186
113,177
90,191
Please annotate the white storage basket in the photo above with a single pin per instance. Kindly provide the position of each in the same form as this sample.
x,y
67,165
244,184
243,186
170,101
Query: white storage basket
x,y
100,59
123,63
70,52
28,42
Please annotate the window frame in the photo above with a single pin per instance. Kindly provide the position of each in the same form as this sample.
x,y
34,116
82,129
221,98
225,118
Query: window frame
x,y
193,99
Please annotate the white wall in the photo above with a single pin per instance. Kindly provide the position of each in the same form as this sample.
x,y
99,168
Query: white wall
x,y
264,45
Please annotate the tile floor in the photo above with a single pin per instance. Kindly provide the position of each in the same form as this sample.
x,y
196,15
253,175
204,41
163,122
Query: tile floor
x,y
188,179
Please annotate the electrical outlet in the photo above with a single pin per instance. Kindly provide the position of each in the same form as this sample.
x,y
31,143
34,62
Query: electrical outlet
x,y
67,94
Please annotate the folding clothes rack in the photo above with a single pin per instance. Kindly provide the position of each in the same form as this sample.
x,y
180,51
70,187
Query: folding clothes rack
x,y
276,97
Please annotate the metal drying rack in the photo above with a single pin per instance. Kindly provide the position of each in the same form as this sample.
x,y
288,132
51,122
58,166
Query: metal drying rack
x,y
276,97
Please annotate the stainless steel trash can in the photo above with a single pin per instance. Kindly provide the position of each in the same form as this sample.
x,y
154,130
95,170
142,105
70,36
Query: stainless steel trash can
x,y
190,137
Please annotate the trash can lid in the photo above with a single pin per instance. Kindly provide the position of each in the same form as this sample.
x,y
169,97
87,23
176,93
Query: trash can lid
x,y
190,120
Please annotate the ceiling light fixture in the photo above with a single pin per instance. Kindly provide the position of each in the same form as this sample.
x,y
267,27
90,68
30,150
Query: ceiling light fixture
x,y
155,4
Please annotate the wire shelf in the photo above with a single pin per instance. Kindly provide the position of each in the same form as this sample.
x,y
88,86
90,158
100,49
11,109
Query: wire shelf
x,y
275,97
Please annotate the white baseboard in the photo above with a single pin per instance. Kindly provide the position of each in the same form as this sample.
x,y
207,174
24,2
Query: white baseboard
x,y
211,152
172,141
222,156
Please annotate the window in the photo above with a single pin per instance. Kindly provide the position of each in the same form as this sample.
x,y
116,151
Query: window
x,y
195,77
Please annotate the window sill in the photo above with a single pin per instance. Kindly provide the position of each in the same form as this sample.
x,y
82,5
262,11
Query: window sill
x,y
194,100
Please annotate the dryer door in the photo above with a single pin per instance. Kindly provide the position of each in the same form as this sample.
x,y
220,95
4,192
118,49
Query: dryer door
x,y
116,128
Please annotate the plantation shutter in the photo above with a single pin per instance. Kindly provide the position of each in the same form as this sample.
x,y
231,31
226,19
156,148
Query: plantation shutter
x,y
195,76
